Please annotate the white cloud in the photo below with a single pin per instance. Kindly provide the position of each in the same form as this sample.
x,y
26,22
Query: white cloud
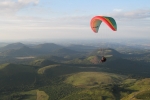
x,y
136,14
28,1
10,7
117,10
72,26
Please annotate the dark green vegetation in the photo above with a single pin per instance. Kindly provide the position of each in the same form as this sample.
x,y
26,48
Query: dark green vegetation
x,y
53,72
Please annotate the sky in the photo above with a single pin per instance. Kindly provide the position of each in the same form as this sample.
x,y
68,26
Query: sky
x,y
70,19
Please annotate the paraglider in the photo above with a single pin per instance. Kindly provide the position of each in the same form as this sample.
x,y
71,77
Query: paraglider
x,y
96,22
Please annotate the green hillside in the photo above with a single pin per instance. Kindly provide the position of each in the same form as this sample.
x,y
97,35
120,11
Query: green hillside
x,y
23,51
16,77
91,79
141,90
94,59
65,51
107,52
42,62
27,95
10,69
95,56
47,47
53,58
43,69
58,73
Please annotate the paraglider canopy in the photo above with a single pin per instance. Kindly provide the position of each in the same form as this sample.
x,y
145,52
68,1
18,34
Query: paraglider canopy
x,y
97,20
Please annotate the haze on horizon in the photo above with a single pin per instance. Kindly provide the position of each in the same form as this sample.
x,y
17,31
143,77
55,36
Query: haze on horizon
x,y
70,19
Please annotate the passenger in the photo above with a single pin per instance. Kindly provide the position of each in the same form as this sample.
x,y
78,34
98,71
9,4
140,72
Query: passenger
x,y
103,59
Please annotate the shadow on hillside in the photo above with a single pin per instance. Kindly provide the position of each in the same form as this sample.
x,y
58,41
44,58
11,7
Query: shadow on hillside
x,y
116,90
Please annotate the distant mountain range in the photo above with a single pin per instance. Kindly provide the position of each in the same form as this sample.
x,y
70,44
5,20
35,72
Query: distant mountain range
x,y
47,47
81,48
19,49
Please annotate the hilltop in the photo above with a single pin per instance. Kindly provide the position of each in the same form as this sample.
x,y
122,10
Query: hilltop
x,y
92,79
23,51
95,56
47,47
11,46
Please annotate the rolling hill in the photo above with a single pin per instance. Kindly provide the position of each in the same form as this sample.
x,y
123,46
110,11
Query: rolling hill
x,y
23,51
72,73
62,52
92,79
81,48
47,47
16,76
42,62
140,88
107,52
11,46
95,56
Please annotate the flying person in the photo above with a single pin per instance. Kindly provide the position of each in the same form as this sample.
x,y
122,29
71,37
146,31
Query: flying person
x,y
96,22
103,59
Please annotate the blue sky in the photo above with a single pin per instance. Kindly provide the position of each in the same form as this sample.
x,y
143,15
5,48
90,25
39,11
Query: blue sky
x,y
70,19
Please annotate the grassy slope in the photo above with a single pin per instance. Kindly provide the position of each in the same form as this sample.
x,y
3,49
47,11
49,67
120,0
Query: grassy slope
x,y
27,95
41,95
43,69
91,94
141,90
90,79
95,85
16,77
42,62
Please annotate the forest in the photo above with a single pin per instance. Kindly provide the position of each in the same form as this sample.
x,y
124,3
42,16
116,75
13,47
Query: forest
x,y
51,71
